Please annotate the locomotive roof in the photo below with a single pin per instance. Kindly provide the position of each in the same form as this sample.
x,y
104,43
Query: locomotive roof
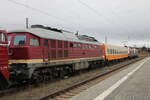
x,y
3,31
49,34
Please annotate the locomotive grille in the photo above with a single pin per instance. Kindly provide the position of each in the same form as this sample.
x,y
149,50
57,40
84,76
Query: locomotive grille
x,y
65,53
53,53
60,53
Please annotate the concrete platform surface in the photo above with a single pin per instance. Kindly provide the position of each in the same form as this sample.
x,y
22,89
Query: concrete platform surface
x,y
132,83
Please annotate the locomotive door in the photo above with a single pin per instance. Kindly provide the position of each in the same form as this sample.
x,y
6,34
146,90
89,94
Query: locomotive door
x,y
45,51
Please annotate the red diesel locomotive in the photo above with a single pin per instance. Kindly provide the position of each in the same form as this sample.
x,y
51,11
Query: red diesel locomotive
x,y
4,72
43,53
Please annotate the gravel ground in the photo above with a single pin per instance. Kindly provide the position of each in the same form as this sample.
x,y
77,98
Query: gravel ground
x,y
35,93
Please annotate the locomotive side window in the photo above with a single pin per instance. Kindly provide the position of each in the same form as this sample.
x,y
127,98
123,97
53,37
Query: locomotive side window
x,y
95,46
2,37
20,40
79,45
71,45
75,45
34,42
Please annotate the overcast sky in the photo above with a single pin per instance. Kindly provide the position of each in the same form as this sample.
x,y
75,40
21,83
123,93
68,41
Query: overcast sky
x,y
119,20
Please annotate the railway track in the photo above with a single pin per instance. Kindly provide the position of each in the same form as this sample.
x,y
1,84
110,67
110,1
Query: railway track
x,y
70,91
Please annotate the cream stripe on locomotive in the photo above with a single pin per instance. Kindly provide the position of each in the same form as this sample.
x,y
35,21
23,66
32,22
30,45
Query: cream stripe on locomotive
x,y
53,61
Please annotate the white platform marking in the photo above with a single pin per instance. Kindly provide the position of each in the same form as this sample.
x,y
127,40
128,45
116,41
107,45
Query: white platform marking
x,y
117,84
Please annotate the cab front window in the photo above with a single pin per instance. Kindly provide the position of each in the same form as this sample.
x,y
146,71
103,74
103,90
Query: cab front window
x,y
9,38
2,37
20,40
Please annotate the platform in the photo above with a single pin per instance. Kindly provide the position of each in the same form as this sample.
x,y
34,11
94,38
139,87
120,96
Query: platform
x,y
133,83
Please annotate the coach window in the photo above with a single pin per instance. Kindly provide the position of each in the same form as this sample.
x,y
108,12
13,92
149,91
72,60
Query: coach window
x,y
34,42
115,51
2,37
45,43
108,51
20,40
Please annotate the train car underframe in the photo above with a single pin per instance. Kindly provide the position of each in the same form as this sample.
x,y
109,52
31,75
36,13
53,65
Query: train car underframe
x,y
39,73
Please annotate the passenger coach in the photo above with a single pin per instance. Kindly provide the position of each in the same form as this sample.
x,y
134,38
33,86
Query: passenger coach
x,y
112,52
40,53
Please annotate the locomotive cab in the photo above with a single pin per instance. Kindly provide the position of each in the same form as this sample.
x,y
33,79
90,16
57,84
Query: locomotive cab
x,y
22,47
4,71
17,44
18,49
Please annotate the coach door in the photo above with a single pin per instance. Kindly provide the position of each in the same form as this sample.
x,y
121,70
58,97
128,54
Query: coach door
x,y
45,51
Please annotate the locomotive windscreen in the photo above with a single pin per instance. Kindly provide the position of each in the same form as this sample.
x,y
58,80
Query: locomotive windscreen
x,y
20,40
2,37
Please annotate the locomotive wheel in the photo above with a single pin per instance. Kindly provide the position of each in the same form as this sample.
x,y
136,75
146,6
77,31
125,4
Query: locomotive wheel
x,y
37,77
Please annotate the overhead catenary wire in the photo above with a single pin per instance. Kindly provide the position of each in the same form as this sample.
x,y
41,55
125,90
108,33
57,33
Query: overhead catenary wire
x,y
94,10
61,19
100,14
41,11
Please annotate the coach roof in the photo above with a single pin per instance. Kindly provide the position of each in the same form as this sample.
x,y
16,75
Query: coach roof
x,y
48,34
